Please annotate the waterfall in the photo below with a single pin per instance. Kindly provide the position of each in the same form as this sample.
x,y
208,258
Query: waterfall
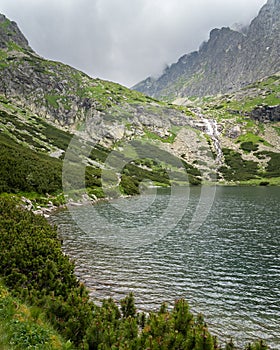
x,y
210,127
212,131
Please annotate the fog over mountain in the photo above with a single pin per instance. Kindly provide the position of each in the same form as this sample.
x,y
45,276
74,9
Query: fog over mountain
x,y
228,61
123,40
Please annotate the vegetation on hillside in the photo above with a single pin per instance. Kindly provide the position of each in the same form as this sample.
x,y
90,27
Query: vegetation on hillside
x,y
238,170
24,170
263,92
32,153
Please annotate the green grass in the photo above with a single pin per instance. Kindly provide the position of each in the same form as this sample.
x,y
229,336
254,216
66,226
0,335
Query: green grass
x,y
261,181
277,129
3,55
34,131
5,24
167,139
53,101
25,327
3,59
3,65
12,46
229,106
55,136
268,94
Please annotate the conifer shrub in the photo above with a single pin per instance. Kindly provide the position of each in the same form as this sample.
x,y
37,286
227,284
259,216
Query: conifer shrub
x,y
34,267
24,170
236,168
273,164
249,146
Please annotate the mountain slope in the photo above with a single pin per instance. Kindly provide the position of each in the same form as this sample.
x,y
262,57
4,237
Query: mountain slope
x,y
228,61
73,100
248,124
44,103
10,35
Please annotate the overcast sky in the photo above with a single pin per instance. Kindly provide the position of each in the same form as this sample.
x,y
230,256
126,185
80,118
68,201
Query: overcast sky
x,y
123,40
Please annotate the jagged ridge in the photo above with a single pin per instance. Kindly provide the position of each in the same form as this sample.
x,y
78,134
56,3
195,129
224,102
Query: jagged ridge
x,y
226,62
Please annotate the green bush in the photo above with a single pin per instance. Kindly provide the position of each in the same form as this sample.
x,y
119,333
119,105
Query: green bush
x,y
24,170
273,165
238,169
33,266
249,146
24,327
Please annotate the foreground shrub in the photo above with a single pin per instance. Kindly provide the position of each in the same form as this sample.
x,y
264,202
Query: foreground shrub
x,y
34,267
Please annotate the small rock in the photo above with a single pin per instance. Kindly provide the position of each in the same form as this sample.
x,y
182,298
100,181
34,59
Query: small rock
x,y
234,132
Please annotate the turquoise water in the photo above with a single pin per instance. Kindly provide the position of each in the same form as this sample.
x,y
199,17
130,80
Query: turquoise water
x,y
227,267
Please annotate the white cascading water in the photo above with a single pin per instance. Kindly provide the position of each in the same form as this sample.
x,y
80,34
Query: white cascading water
x,y
211,129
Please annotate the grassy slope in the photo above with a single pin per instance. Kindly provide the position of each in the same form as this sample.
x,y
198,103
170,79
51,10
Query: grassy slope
x,y
63,88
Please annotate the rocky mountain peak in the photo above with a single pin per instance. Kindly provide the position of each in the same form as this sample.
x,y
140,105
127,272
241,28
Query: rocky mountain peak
x,y
217,33
268,18
10,34
222,40
228,61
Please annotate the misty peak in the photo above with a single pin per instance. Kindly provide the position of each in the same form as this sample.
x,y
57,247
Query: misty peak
x,y
222,33
229,60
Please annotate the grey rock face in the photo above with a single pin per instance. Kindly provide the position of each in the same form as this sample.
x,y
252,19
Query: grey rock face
x,y
9,32
266,114
226,62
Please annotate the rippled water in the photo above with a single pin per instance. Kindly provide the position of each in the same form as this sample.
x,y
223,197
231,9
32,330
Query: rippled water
x,y
228,269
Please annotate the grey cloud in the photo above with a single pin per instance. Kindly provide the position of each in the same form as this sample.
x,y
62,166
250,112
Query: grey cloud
x,y
123,40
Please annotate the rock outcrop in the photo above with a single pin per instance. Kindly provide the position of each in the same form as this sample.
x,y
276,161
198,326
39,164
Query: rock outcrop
x,y
10,34
266,114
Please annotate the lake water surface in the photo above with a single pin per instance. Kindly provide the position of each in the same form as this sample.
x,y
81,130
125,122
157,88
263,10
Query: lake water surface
x,y
228,268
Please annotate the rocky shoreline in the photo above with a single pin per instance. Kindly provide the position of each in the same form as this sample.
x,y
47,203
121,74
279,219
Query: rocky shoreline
x,y
45,211
51,208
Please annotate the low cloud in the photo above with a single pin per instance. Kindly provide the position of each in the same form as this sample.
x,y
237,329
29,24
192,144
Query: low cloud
x,y
122,40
